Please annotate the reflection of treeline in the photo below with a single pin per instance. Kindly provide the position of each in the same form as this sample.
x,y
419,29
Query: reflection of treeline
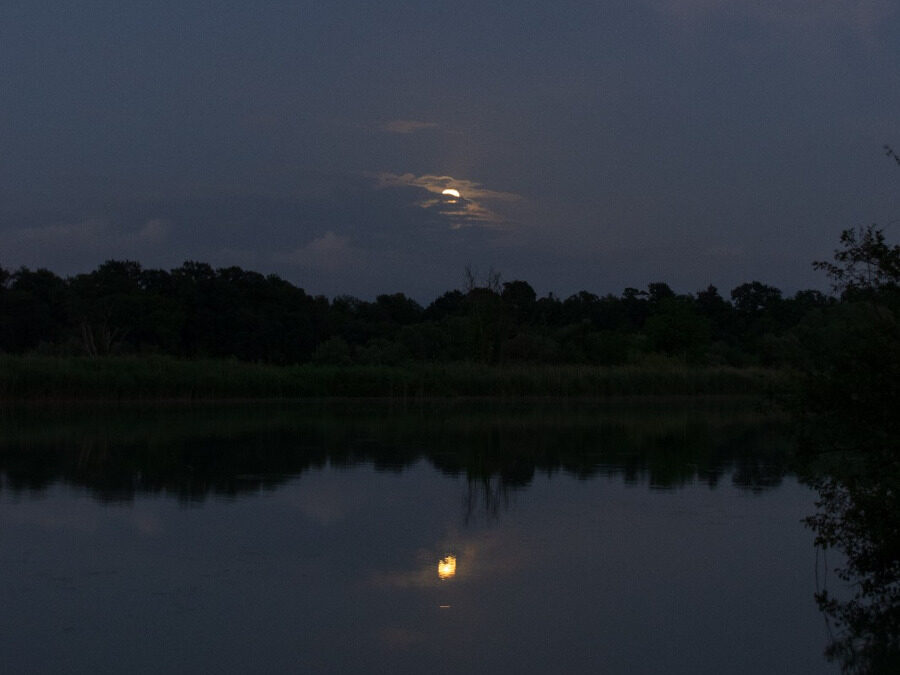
x,y
197,311
859,515
195,452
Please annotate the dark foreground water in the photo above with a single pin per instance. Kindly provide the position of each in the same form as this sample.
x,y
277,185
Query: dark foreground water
x,y
547,537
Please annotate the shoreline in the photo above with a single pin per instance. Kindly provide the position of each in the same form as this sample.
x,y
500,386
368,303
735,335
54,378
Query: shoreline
x,y
165,379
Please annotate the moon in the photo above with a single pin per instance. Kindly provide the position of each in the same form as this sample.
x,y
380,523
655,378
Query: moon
x,y
450,192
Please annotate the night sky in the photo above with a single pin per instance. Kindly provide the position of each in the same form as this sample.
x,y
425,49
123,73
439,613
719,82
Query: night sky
x,y
595,145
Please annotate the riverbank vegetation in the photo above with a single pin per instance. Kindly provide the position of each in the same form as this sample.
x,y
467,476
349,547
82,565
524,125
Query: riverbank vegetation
x,y
197,332
197,312
51,378
123,331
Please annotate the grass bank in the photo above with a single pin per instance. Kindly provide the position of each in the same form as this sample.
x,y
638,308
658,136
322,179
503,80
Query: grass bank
x,y
157,377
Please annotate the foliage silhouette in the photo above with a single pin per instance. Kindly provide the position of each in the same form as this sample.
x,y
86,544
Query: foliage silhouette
x,y
196,311
849,398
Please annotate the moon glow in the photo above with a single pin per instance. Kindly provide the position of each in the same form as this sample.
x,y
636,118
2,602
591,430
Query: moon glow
x,y
450,192
447,567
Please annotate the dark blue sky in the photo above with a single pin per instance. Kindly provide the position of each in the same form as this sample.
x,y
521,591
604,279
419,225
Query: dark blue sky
x,y
596,145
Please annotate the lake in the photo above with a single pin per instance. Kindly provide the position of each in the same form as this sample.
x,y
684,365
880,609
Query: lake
x,y
348,536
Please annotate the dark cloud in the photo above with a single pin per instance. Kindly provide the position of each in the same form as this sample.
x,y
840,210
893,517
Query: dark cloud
x,y
408,126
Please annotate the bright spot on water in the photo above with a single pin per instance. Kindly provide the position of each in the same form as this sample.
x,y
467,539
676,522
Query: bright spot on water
x,y
447,567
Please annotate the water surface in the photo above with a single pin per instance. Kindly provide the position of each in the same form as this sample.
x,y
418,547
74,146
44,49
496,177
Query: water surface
x,y
371,537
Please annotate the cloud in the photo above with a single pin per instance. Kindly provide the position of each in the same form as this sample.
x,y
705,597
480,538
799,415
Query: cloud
x,y
329,243
153,231
862,17
90,234
354,233
407,126
723,251
476,205
329,252
99,238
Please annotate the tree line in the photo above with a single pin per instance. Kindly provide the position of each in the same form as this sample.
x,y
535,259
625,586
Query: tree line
x,y
198,311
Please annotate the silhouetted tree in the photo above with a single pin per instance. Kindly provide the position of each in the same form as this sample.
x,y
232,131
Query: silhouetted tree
x,y
676,328
197,311
849,357
865,263
32,309
519,298
755,299
108,306
635,308
658,291
451,303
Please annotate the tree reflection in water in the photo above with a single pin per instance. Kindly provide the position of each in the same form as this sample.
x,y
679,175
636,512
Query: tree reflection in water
x,y
196,452
859,515
487,496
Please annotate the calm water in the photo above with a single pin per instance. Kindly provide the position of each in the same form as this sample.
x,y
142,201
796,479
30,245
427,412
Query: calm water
x,y
548,537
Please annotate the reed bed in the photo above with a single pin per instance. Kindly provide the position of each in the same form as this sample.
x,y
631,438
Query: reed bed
x,y
158,377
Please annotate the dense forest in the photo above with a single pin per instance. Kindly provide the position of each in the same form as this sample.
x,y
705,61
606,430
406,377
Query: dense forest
x,y
198,311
